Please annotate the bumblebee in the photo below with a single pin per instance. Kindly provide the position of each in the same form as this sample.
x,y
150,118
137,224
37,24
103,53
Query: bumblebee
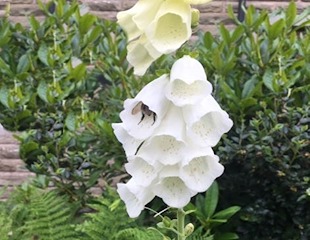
x,y
145,111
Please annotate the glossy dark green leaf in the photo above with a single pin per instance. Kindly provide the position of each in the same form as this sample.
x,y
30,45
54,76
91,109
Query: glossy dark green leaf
x,y
34,23
268,79
4,96
5,33
43,54
211,200
86,22
291,13
42,91
5,68
227,213
249,87
23,63
226,236
276,29
70,121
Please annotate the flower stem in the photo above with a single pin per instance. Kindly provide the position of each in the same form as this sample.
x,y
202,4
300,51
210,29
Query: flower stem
x,y
180,226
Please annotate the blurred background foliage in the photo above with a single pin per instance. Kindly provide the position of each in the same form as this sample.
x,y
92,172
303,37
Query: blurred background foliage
x,y
63,81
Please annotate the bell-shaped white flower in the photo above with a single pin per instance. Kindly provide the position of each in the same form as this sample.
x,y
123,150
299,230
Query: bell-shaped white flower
x,y
143,114
141,54
167,144
188,82
129,143
199,173
172,189
135,197
155,28
207,122
142,171
137,18
171,26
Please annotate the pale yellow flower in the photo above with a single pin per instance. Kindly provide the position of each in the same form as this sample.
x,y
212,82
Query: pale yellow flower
x,y
154,28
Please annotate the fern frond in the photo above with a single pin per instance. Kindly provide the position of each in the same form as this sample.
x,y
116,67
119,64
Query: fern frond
x,y
5,223
109,219
138,234
49,218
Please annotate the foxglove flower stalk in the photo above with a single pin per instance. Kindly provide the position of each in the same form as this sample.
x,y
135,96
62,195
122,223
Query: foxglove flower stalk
x,y
167,132
154,28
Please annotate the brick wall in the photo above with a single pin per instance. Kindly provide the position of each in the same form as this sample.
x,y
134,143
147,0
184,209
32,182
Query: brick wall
x,y
12,171
211,13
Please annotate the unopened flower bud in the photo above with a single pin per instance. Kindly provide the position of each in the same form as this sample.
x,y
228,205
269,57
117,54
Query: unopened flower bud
x,y
189,229
195,17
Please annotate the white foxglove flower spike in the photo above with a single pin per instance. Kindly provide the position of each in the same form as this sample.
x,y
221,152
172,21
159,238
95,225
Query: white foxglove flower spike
x,y
167,132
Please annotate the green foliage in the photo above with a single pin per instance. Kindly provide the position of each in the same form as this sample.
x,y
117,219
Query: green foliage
x,y
138,234
32,213
204,215
5,220
111,221
109,218
260,73
63,80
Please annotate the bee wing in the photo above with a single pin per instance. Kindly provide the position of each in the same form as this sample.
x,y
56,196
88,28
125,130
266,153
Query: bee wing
x,y
137,108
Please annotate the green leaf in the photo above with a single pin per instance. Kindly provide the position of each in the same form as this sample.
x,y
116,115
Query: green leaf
x,y
275,29
4,96
291,13
224,33
226,236
211,200
71,122
70,12
94,34
27,148
5,68
78,72
86,22
42,91
248,102
5,34
268,79
208,40
249,87
249,19
23,64
43,54
237,33
34,23
59,10
231,14
227,213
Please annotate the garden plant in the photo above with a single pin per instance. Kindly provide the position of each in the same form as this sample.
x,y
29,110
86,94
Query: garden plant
x,y
153,117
